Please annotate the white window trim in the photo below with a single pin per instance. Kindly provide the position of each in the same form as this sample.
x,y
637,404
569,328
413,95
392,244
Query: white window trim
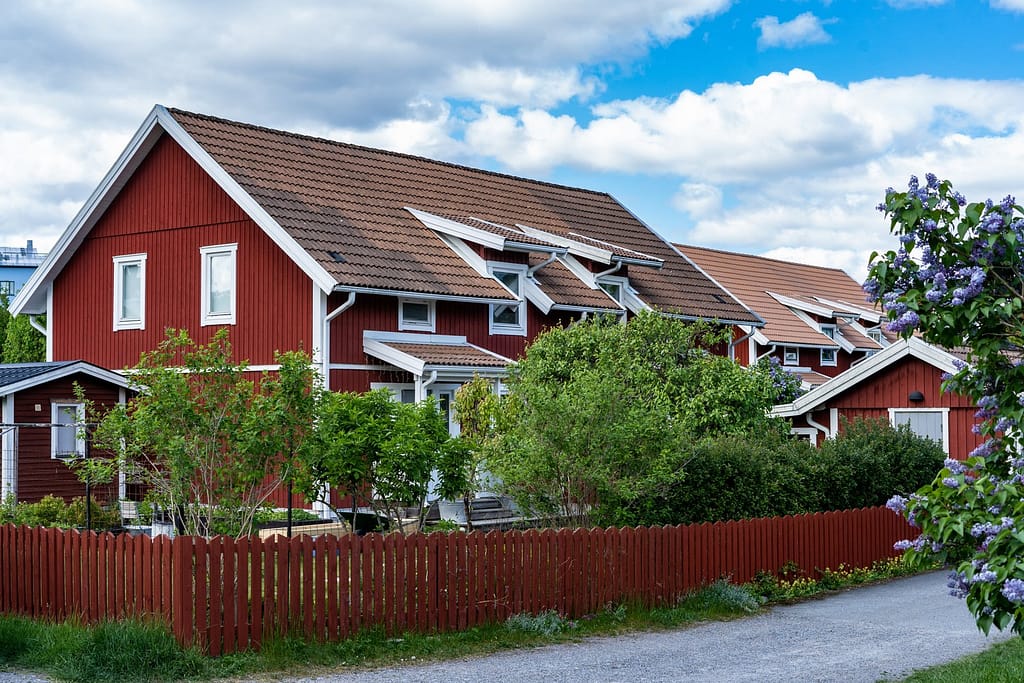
x,y
57,408
506,328
621,281
810,432
786,350
417,325
207,253
945,420
829,363
119,263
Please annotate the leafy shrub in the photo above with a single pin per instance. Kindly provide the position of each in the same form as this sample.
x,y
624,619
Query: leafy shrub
x,y
52,511
723,597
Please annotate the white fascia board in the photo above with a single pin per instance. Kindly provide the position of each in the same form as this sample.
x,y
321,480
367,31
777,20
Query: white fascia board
x,y
32,297
864,369
415,338
827,342
860,311
252,208
379,349
475,261
536,296
632,301
807,306
863,330
693,264
575,248
496,356
460,230
422,295
763,340
89,369
579,270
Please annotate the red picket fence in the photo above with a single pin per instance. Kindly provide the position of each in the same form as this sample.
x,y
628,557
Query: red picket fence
x,y
227,595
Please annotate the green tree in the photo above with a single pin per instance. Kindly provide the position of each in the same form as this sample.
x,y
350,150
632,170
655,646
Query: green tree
x,y
377,453
600,414
22,342
956,280
211,446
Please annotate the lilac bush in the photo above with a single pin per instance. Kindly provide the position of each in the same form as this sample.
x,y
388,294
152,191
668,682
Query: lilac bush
x,y
956,279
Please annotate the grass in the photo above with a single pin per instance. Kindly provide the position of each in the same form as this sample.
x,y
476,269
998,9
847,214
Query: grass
x,y
138,651
1001,663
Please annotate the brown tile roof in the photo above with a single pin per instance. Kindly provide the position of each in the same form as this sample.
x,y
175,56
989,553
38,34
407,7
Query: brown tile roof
x,y
336,197
565,289
615,249
505,231
852,335
750,278
811,377
451,354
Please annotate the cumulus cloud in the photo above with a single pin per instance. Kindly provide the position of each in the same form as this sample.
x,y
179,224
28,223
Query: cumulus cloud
x,y
805,29
698,200
1012,5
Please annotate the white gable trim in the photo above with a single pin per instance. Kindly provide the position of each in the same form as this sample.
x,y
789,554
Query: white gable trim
x,y
65,371
863,370
31,299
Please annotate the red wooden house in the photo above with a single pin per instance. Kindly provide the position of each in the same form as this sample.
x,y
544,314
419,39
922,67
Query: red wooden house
x,y
40,430
392,270
817,323
901,384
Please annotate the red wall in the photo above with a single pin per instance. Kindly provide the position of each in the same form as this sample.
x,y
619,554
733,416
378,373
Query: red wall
x,y
890,389
168,210
38,473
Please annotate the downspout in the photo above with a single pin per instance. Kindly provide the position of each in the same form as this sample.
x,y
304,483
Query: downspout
x,y
327,336
613,269
421,389
733,344
821,428
534,269
34,323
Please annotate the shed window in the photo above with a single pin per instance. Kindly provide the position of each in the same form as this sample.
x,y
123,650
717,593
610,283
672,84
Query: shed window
x,y
130,292
828,356
219,290
790,355
930,423
65,440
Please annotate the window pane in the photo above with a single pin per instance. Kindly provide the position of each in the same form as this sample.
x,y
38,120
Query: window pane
x,y
66,438
416,312
508,278
221,282
506,315
613,289
131,291
924,423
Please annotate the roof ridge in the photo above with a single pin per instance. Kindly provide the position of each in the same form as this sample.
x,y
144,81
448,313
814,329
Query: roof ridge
x,y
404,155
763,258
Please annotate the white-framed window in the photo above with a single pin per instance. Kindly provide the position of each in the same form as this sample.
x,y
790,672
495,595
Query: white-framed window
x,y
828,357
130,292
219,286
876,334
809,434
508,318
6,286
417,315
829,331
790,355
615,287
66,439
932,423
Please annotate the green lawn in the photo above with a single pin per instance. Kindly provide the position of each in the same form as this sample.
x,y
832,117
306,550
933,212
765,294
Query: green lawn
x,y
1002,663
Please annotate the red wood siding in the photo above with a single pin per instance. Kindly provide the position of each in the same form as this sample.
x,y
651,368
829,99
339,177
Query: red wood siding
x,y
38,473
168,210
891,387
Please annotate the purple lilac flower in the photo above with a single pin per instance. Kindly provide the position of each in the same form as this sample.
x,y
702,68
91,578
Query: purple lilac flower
x,y
986,575
958,585
954,466
1013,590
984,450
951,482
897,504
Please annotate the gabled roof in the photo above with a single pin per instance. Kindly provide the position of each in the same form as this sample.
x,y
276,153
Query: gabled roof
x,y
15,377
339,211
786,294
864,370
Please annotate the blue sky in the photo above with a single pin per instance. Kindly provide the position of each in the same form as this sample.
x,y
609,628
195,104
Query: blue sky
x,y
769,127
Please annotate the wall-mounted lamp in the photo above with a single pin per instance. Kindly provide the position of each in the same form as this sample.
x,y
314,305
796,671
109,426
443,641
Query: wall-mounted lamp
x,y
915,396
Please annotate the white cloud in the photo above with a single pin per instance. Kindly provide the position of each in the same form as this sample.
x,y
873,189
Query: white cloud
x,y
805,29
909,4
1012,5
698,200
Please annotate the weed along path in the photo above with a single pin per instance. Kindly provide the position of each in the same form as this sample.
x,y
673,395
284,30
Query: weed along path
x,y
856,636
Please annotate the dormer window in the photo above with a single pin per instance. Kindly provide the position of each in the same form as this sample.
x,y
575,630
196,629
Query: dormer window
x,y
828,357
508,318
790,355
875,334
416,315
829,331
615,287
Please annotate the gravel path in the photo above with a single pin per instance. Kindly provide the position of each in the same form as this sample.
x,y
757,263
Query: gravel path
x,y
857,636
